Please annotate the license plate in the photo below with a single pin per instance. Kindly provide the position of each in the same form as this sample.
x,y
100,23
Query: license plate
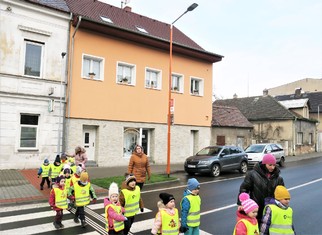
x,y
191,166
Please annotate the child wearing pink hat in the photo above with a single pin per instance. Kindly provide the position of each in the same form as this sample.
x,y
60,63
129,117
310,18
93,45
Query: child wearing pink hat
x,y
246,216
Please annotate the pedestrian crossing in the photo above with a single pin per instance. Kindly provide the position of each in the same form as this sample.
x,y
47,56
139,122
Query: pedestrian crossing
x,y
38,219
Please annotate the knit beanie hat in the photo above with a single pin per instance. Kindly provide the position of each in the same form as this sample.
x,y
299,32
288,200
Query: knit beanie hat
x,y
269,159
281,193
165,197
63,156
79,170
113,189
46,161
129,178
59,178
193,184
66,170
84,177
57,159
248,204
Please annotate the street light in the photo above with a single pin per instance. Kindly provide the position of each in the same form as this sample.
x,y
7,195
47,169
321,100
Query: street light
x,y
190,8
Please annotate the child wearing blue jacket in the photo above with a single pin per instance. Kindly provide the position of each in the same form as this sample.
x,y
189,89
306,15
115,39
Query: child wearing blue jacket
x,y
44,172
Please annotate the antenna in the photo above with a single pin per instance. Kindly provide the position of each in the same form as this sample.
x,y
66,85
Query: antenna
x,y
125,2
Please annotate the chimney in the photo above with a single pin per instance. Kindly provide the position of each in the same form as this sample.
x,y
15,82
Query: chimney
x,y
298,92
265,92
235,96
127,8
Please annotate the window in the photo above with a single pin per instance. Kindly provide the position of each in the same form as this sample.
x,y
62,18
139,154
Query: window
x,y
93,67
310,138
134,136
125,73
196,86
177,83
299,139
33,58
141,29
106,19
153,78
28,131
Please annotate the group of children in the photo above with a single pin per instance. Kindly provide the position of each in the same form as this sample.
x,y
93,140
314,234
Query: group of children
x,y
277,215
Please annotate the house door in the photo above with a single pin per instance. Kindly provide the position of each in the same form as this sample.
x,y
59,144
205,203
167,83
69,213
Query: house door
x,y
89,138
240,142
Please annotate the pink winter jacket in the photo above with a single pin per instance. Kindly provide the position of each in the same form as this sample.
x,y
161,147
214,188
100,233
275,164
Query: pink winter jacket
x,y
241,228
112,214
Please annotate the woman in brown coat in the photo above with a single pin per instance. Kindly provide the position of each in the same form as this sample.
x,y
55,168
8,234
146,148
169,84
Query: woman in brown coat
x,y
139,166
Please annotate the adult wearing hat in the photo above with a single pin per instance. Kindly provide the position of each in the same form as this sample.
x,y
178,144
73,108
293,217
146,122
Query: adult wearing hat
x,y
261,181
139,166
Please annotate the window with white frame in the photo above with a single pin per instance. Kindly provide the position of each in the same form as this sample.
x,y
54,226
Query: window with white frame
x,y
299,139
310,138
153,78
33,58
133,136
125,73
28,130
196,86
177,83
93,67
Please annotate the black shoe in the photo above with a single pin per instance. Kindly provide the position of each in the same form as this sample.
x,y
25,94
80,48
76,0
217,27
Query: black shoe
x,y
60,224
56,225
76,220
41,187
83,223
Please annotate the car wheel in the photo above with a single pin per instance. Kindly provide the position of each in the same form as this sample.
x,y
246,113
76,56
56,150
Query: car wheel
x,y
243,167
215,170
282,162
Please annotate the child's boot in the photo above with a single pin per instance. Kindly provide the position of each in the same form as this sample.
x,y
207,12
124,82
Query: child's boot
x,y
56,225
76,220
60,224
83,223
41,187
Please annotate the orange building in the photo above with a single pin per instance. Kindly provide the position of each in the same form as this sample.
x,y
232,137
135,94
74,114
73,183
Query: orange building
x,y
118,86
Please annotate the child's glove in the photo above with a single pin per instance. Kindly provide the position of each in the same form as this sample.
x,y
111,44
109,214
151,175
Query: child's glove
x,y
183,229
141,209
94,201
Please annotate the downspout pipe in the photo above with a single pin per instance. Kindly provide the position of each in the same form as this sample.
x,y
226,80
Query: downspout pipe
x,y
70,76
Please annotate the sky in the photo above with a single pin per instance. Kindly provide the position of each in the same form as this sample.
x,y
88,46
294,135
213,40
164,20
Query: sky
x,y
265,43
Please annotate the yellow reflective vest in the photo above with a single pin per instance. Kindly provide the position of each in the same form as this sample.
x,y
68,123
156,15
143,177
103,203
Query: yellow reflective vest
x,y
281,220
117,225
60,198
252,229
82,195
67,183
193,218
132,199
170,223
55,170
45,170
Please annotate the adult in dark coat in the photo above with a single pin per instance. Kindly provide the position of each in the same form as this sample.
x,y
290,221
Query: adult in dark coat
x,y
261,182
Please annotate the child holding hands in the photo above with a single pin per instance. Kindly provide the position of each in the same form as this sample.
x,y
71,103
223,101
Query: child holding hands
x,y
246,216
114,211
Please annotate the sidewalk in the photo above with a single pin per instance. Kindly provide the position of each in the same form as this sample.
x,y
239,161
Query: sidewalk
x,y
22,186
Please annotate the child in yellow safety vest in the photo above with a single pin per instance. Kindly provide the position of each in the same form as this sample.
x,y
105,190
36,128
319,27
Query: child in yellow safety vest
x,y
167,219
246,216
55,169
81,193
44,172
130,199
113,211
58,201
190,208
278,215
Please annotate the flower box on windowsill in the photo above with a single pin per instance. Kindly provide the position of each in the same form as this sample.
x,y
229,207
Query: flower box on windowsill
x,y
196,92
91,75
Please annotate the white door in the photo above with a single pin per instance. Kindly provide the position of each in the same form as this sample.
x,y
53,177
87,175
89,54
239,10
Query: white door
x,y
89,137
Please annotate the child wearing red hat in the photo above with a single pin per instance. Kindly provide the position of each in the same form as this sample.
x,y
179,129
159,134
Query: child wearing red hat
x,y
246,217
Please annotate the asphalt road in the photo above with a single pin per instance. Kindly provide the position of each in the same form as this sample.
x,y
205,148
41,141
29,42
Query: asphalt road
x,y
303,178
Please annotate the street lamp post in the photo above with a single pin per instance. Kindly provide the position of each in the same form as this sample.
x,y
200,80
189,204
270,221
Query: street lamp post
x,y
190,8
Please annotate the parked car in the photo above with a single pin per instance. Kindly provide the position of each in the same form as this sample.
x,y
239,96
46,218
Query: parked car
x,y
215,159
256,152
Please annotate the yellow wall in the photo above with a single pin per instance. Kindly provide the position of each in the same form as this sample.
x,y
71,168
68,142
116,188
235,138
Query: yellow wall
x,y
107,100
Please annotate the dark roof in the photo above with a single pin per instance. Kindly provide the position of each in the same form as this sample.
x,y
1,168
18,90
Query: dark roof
x,y
225,116
259,108
55,4
124,24
315,99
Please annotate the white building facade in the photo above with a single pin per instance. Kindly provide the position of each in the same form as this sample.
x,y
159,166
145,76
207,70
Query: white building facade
x,y
34,42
